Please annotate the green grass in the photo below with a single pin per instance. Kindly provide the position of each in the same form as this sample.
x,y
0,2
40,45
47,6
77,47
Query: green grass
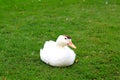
x,y
93,25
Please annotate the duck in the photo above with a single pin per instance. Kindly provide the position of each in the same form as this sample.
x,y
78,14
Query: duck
x,y
57,53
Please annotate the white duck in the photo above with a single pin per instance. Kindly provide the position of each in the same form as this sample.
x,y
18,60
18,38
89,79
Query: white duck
x,y
58,53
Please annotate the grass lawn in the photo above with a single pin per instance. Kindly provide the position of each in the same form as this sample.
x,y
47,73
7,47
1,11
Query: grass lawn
x,y
94,26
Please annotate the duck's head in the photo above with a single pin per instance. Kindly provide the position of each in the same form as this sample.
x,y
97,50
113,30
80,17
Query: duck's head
x,y
64,40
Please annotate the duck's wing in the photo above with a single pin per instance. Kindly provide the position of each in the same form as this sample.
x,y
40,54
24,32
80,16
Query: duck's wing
x,y
47,49
49,44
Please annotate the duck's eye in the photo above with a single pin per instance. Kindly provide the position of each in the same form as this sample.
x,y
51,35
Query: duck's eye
x,y
65,38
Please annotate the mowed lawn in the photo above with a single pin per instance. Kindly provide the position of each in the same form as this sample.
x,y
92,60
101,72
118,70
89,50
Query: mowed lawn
x,y
94,26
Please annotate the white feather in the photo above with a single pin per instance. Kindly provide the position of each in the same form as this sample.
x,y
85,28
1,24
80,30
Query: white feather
x,y
55,55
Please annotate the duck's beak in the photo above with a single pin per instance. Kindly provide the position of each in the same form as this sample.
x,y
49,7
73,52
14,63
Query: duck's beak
x,y
71,45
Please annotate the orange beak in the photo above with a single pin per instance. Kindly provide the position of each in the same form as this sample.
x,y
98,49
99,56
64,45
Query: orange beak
x,y
71,45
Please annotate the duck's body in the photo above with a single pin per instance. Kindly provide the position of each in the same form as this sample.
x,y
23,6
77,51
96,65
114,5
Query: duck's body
x,y
56,54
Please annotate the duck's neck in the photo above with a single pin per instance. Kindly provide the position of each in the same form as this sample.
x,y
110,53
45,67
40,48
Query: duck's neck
x,y
60,45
